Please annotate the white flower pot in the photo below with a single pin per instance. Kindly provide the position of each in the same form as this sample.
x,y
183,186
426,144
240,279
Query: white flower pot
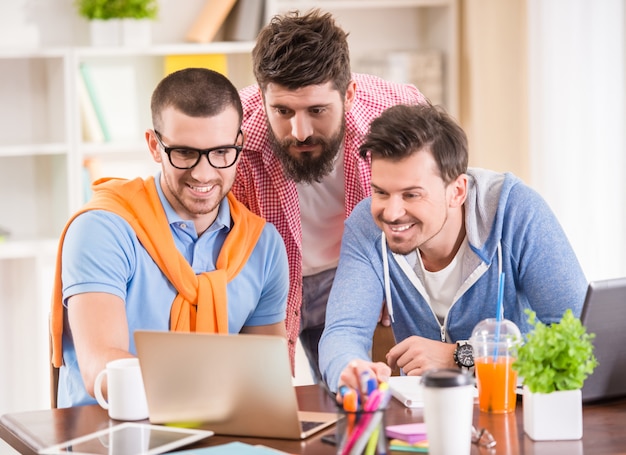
x,y
553,416
136,32
105,32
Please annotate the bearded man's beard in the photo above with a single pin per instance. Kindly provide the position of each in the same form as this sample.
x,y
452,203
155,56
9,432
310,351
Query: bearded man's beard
x,y
305,168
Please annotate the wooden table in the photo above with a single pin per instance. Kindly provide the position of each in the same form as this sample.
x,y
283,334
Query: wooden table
x,y
603,427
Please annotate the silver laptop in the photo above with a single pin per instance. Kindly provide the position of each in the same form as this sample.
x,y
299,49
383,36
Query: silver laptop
x,y
231,384
604,313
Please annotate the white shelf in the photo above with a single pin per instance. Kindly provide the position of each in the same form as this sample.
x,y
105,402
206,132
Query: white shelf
x,y
27,249
30,52
34,149
243,47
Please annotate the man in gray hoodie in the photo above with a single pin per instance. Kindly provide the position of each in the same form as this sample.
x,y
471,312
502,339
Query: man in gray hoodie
x,y
433,241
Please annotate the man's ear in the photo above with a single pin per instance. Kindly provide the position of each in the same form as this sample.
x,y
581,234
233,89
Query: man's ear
x,y
350,95
153,146
458,191
262,97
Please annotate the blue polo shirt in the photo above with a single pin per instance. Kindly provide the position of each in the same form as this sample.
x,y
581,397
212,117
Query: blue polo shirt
x,y
101,253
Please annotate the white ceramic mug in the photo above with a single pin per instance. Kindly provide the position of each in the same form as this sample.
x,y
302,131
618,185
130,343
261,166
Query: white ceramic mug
x,y
448,411
126,395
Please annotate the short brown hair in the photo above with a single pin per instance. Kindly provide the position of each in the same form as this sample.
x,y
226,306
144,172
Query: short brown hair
x,y
196,92
296,51
402,130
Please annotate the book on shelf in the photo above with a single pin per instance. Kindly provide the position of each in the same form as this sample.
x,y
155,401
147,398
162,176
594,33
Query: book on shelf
x,y
209,21
89,123
216,62
244,21
93,124
113,91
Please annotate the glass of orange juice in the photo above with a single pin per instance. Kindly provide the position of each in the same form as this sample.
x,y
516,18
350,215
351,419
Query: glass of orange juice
x,y
494,343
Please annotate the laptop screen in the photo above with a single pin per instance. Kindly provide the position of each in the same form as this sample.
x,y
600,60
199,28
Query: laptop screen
x,y
604,314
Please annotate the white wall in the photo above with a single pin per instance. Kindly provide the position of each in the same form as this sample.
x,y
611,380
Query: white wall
x,y
577,124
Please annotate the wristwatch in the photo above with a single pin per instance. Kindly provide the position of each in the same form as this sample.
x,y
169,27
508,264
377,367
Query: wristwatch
x,y
464,354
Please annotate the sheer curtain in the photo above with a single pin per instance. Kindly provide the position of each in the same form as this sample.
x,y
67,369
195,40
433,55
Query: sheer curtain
x,y
577,124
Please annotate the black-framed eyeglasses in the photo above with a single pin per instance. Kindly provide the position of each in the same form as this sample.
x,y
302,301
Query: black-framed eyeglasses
x,y
219,157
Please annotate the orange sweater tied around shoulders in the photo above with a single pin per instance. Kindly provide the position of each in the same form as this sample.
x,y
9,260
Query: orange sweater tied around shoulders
x,y
201,303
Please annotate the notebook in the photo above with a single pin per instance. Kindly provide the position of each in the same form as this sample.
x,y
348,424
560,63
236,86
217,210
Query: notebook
x,y
408,390
231,384
604,313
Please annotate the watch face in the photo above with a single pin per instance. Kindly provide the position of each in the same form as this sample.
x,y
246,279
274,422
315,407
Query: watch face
x,y
465,355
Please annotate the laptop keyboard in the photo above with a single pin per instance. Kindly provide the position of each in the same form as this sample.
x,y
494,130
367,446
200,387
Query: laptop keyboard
x,y
308,425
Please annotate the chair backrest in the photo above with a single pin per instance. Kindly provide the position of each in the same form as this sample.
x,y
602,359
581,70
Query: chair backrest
x,y
383,341
54,375
54,385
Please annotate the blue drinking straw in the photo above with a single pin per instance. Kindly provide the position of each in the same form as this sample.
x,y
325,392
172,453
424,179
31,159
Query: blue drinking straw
x,y
499,315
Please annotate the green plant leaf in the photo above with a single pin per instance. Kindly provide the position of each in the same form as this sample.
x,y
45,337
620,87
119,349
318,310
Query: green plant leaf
x,y
555,357
117,9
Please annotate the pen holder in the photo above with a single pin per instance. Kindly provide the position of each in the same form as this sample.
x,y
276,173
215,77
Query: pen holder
x,y
361,432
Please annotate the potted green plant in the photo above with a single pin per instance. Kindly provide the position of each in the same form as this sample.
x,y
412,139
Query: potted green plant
x,y
96,9
139,9
112,21
554,362
117,9
137,17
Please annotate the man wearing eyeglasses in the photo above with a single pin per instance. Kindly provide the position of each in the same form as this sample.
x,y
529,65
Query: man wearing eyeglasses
x,y
172,252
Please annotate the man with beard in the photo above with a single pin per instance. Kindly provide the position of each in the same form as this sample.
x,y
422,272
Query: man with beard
x,y
435,240
170,252
300,168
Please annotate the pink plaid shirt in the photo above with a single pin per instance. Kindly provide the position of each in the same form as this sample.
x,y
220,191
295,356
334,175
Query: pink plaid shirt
x,y
264,189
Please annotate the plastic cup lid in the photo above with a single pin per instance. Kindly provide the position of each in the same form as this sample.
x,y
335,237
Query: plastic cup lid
x,y
490,331
446,378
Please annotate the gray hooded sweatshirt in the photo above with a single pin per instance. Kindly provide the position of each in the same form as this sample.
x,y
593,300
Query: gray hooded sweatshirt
x,y
509,228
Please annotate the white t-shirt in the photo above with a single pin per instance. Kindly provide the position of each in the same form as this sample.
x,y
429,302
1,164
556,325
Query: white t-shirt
x,y
442,286
322,214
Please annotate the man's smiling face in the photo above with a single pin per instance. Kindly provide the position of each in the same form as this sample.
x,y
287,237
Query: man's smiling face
x,y
410,201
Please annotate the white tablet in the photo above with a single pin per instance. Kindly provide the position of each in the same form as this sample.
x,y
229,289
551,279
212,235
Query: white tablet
x,y
130,438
